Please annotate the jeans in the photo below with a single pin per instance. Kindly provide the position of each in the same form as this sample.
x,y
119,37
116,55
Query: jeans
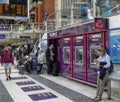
x,y
35,63
39,68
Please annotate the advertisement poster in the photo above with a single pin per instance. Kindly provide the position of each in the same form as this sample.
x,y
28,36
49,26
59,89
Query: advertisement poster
x,y
115,45
4,1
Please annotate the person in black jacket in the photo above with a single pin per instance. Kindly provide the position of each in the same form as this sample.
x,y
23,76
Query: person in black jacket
x,y
50,58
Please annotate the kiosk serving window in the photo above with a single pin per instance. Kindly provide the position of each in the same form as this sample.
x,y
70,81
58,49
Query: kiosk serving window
x,y
66,51
79,55
93,55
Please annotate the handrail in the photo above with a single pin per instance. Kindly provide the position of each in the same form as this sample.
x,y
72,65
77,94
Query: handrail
x,y
116,7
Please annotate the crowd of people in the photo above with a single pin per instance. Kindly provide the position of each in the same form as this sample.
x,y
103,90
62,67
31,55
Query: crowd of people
x,y
27,61
32,62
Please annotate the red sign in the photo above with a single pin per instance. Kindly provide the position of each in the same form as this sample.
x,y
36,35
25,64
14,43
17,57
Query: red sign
x,y
101,23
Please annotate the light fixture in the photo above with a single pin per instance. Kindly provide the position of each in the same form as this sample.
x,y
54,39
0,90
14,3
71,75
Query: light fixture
x,y
40,2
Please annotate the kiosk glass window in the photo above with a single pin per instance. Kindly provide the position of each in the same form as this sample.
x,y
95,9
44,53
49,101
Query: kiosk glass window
x,y
79,56
93,55
66,55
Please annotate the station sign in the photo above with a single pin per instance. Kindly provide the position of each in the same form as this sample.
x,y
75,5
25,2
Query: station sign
x,y
4,1
4,27
2,36
14,9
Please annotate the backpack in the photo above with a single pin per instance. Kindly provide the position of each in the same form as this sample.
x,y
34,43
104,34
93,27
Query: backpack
x,y
111,68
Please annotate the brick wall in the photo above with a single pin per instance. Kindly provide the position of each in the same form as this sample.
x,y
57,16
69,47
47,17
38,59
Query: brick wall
x,y
40,14
47,6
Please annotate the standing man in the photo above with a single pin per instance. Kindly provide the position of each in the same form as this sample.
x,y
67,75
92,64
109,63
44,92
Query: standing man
x,y
35,61
7,60
50,58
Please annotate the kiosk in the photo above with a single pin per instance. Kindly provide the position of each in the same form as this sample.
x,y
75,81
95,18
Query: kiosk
x,y
76,49
78,63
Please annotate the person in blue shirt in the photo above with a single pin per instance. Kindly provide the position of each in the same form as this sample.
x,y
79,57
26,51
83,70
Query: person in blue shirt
x,y
103,62
35,61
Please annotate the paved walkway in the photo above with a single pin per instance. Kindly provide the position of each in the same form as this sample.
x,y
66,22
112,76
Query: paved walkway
x,y
44,88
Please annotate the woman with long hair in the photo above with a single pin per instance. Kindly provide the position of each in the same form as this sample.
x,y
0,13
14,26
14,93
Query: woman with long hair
x,y
103,62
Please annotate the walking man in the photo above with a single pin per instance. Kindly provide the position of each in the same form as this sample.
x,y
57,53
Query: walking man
x,y
7,60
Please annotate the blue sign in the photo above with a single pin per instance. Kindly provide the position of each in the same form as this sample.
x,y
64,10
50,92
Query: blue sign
x,y
4,1
115,46
2,36
4,27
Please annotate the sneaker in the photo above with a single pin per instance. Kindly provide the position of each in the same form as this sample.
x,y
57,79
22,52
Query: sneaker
x,y
97,99
94,98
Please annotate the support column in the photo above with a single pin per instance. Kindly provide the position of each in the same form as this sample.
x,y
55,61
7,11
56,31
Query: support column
x,y
58,14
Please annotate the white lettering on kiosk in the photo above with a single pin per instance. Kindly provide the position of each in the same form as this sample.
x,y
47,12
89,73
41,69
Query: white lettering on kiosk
x,y
79,37
67,39
96,36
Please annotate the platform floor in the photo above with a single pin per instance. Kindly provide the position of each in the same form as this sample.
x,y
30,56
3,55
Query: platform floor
x,y
44,88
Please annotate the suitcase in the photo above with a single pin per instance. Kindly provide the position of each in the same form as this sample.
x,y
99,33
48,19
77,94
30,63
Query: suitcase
x,y
55,70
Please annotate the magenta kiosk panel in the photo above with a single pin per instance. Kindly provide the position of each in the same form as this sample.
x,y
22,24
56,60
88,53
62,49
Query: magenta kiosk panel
x,y
75,49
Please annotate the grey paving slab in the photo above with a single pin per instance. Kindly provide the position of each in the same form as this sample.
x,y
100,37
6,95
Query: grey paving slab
x,y
72,95
4,95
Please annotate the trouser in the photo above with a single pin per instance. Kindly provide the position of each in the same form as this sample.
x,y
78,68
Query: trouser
x,y
101,84
39,68
27,67
22,70
49,66
35,63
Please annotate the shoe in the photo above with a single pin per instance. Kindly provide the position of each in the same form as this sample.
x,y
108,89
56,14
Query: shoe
x,y
94,98
38,73
97,99
9,77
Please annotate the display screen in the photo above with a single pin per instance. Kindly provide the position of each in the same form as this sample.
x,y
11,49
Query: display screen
x,y
15,8
4,1
66,55
79,55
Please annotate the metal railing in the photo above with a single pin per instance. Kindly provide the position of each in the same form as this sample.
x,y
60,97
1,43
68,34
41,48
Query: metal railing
x,y
114,11
21,27
62,22
53,24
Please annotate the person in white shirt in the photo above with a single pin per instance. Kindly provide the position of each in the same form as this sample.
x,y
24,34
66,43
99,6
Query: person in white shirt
x,y
40,61
103,62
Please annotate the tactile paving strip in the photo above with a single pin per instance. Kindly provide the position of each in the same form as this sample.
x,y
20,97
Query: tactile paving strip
x,y
17,78
42,96
25,83
32,88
